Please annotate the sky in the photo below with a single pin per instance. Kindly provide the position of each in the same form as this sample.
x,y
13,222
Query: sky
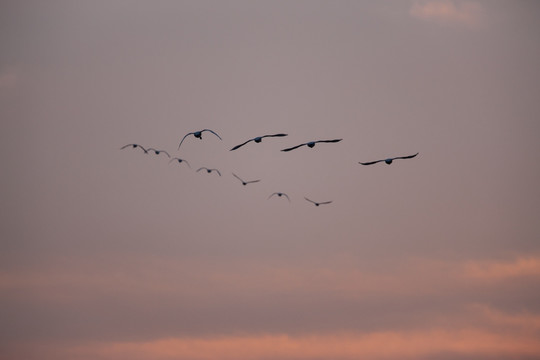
x,y
117,254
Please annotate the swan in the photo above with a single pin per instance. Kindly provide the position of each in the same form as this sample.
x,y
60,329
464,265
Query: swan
x,y
245,182
312,144
389,160
209,170
198,135
280,194
317,203
257,139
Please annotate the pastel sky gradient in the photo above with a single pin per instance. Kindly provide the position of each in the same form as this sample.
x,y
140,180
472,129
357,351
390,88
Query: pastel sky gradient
x,y
115,254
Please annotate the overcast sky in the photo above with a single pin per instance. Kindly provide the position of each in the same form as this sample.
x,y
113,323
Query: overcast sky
x,y
117,254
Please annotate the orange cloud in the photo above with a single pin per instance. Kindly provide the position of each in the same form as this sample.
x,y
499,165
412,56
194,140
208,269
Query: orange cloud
x,y
491,270
447,11
381,345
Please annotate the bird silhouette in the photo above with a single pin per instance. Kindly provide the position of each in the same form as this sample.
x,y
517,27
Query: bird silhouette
x,y
257,139
389,160
312,144
209,170
198,135
245,182
317,203
280,194
134,146
180,161
157,152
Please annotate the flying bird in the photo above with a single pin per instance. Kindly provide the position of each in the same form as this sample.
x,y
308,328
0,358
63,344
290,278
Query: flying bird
x,y
245,182
157,152
280,194
389,160
198,135
312,144
209,170
317,203
257,139
134,146
180,161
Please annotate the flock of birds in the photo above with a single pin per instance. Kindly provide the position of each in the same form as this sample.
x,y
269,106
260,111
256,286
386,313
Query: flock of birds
x,y
258,139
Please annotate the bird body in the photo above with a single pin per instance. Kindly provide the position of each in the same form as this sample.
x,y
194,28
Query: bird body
x,y
257,139
198,135
312,144
209,170
388,160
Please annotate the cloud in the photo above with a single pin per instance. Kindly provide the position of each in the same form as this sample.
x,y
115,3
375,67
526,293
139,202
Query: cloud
x,y
375,345
468,13
9,77
493,270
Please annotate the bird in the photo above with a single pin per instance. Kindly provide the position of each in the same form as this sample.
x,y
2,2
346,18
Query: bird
x,y
257,139
317,203
157,152
245,182
180,161
312,144
280,194
209,170
389,160
134,146
198,135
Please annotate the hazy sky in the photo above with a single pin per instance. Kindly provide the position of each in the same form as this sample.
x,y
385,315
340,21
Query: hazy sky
x,y
116,254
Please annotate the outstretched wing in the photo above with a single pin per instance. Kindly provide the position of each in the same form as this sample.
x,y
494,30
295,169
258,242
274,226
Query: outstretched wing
x,y
287,196
166,153
203,168
310,200
191,133
294,147
212,133
406,157
370,163
326,202
216,170
252,181
237,146
274,135
238,177
329,141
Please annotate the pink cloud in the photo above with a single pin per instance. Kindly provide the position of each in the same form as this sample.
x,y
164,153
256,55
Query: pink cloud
x,y
447,11
376,345
493,270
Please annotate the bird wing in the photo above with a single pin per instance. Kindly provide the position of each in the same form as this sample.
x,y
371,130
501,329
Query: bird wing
x,y
236,176
287,196
370,163
237,146
189,166
294,147
326,202
274,135
329,141
203,168
166,153
191,133
212,133
252,181
216,170
406,157
310,200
